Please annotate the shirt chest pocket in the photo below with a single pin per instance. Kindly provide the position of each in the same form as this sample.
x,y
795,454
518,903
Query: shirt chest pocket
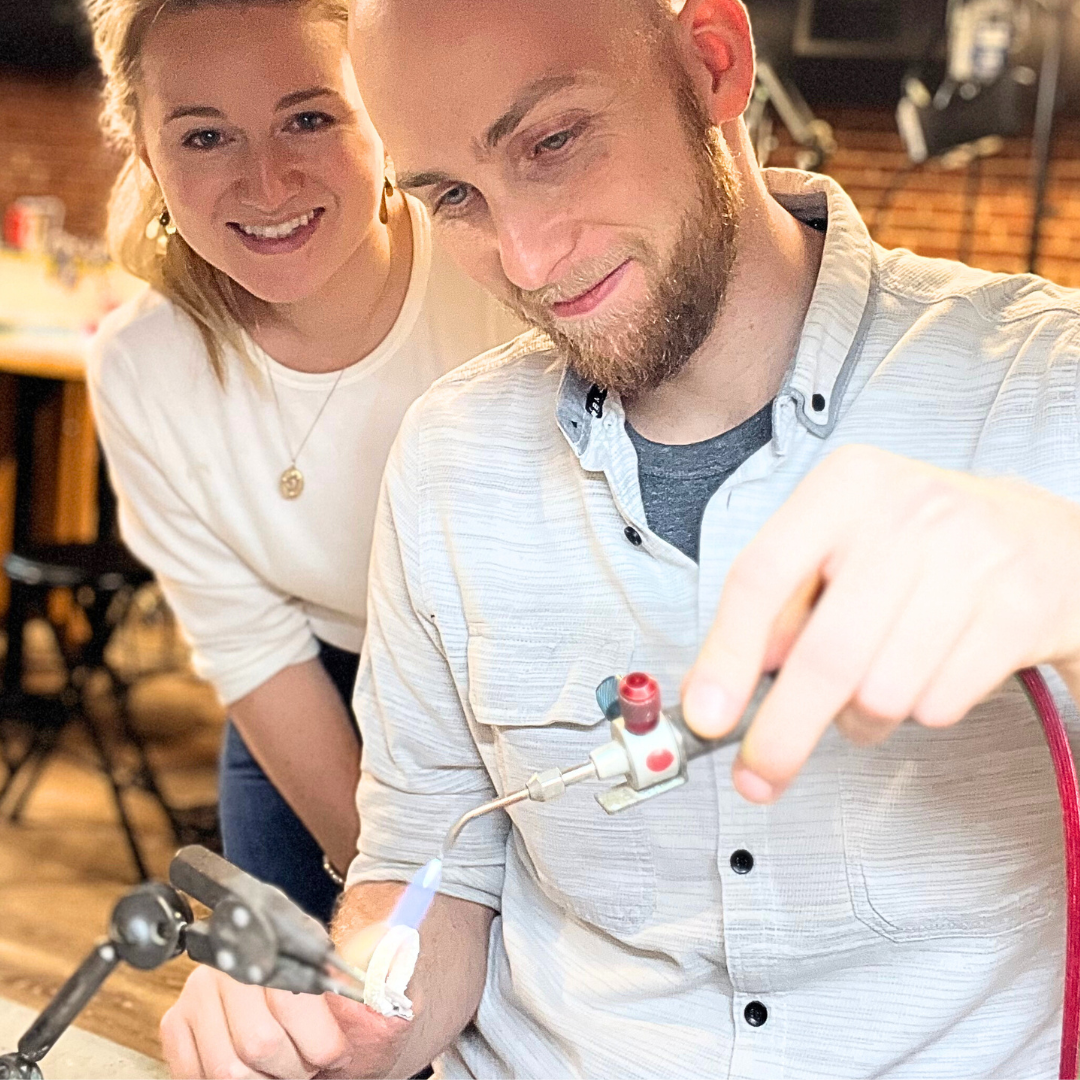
x,y
954,833
535,706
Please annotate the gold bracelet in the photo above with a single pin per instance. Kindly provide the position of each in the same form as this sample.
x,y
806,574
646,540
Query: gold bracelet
x,y
334,876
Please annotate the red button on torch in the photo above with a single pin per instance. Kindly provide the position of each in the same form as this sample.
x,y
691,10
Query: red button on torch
x,y
639,700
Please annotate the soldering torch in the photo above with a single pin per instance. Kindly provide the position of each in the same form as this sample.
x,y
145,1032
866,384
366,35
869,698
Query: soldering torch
x,y
649,750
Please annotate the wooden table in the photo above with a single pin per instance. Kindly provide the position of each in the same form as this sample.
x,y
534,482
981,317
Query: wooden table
x,y
48,451
47,314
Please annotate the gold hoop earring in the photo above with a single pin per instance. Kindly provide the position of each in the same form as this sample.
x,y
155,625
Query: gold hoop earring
x,y
387,193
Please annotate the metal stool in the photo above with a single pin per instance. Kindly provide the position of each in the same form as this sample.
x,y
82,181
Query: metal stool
x,y
102,578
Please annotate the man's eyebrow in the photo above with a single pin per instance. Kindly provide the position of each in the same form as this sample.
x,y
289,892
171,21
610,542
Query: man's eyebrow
x,y
529,98
299,96
411,181
205,111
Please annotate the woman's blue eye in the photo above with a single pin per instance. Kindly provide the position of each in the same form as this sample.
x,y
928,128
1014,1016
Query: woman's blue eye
x,y
203,140
554,142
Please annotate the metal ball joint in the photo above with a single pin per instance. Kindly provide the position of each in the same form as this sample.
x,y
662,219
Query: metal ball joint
x,y
254,932
146,930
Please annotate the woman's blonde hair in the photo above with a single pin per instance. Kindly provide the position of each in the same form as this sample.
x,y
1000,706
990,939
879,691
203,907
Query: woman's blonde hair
x,y
221,309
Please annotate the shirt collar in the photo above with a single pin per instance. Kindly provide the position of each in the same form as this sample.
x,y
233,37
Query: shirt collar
x,y
839,313
835,324
572,410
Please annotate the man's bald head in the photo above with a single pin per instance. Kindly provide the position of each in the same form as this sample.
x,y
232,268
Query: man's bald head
x,y
569,155
388,36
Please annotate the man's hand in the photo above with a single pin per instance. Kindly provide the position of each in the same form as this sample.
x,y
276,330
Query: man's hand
x,y
885,589
221,1028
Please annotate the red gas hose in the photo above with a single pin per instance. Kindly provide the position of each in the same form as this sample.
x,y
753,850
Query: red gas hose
x,y
1069,793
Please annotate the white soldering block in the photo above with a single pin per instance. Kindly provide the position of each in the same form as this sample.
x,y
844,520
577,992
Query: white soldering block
x,y
610,760
654,756
389,970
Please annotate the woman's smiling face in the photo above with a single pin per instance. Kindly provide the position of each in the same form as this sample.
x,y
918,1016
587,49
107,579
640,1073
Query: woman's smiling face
x,y
252,123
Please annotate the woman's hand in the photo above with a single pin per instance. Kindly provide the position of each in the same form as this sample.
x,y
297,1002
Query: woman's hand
x,y
222,1028
885,589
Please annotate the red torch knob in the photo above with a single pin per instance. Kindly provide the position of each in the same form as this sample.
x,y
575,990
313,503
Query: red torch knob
x,y
639,700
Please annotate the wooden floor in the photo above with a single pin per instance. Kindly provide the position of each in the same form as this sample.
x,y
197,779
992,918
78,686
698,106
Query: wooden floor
x,y
63,868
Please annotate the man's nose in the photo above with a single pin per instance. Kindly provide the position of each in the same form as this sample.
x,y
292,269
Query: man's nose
x,y
534,246
269,178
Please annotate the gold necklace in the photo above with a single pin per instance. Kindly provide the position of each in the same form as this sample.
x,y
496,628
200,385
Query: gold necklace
x,y
291,481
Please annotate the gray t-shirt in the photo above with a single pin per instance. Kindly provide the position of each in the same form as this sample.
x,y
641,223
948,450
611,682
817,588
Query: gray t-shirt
x,y
677,482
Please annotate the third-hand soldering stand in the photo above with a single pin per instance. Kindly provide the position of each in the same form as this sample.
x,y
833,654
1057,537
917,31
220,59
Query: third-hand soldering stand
x,y
254,933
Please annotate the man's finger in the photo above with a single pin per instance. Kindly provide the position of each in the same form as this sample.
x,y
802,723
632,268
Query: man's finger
x,y
764,595
178,1047
213,1037
258,1037
863,729
942,607
828,661
312,1027
984,657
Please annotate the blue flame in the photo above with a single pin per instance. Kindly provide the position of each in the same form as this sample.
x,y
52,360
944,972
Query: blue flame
x,y
416,899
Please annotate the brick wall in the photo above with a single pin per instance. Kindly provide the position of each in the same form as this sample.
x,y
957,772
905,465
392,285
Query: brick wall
x,y
49,145
928,208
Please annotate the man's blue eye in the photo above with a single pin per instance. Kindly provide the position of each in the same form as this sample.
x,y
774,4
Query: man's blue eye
x,y
554,142
455,196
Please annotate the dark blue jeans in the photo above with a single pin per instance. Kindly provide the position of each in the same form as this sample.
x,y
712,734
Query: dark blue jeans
x,y
259,830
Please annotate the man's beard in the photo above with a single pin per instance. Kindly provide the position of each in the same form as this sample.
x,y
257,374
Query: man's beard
x,y
628,352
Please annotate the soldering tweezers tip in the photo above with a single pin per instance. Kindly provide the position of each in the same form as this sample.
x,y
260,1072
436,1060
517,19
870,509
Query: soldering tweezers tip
x,y
334,960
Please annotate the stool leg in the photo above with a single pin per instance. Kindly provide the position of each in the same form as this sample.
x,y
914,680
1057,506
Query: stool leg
x,y
42,741
117,793
144,772
14,767
17,614
37,767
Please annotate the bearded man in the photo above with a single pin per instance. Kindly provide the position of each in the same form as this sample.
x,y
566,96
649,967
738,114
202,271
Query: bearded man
x,y
868,460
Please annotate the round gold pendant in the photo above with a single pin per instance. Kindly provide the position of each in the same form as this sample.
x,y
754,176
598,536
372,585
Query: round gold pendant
x,y
291,483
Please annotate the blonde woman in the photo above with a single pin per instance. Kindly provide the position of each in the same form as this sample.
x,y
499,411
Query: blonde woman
x,y
248,400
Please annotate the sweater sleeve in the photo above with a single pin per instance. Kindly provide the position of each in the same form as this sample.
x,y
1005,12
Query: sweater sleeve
x,y
241,629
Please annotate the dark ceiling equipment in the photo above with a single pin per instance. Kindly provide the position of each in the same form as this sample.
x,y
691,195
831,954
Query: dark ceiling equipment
x,y
982,94
846,52
991,91
775,94
860,29
44,36
1056,16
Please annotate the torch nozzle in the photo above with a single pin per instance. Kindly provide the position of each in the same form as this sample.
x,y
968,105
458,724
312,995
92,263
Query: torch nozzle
x,y
540,787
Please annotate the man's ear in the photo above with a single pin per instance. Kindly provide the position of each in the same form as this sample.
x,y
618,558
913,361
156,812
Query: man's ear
x,y
721,55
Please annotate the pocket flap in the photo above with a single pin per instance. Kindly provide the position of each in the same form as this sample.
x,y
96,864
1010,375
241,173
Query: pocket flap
x,y
544,680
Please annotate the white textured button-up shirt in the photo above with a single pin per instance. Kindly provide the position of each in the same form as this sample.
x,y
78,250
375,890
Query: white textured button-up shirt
x,y
904,912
